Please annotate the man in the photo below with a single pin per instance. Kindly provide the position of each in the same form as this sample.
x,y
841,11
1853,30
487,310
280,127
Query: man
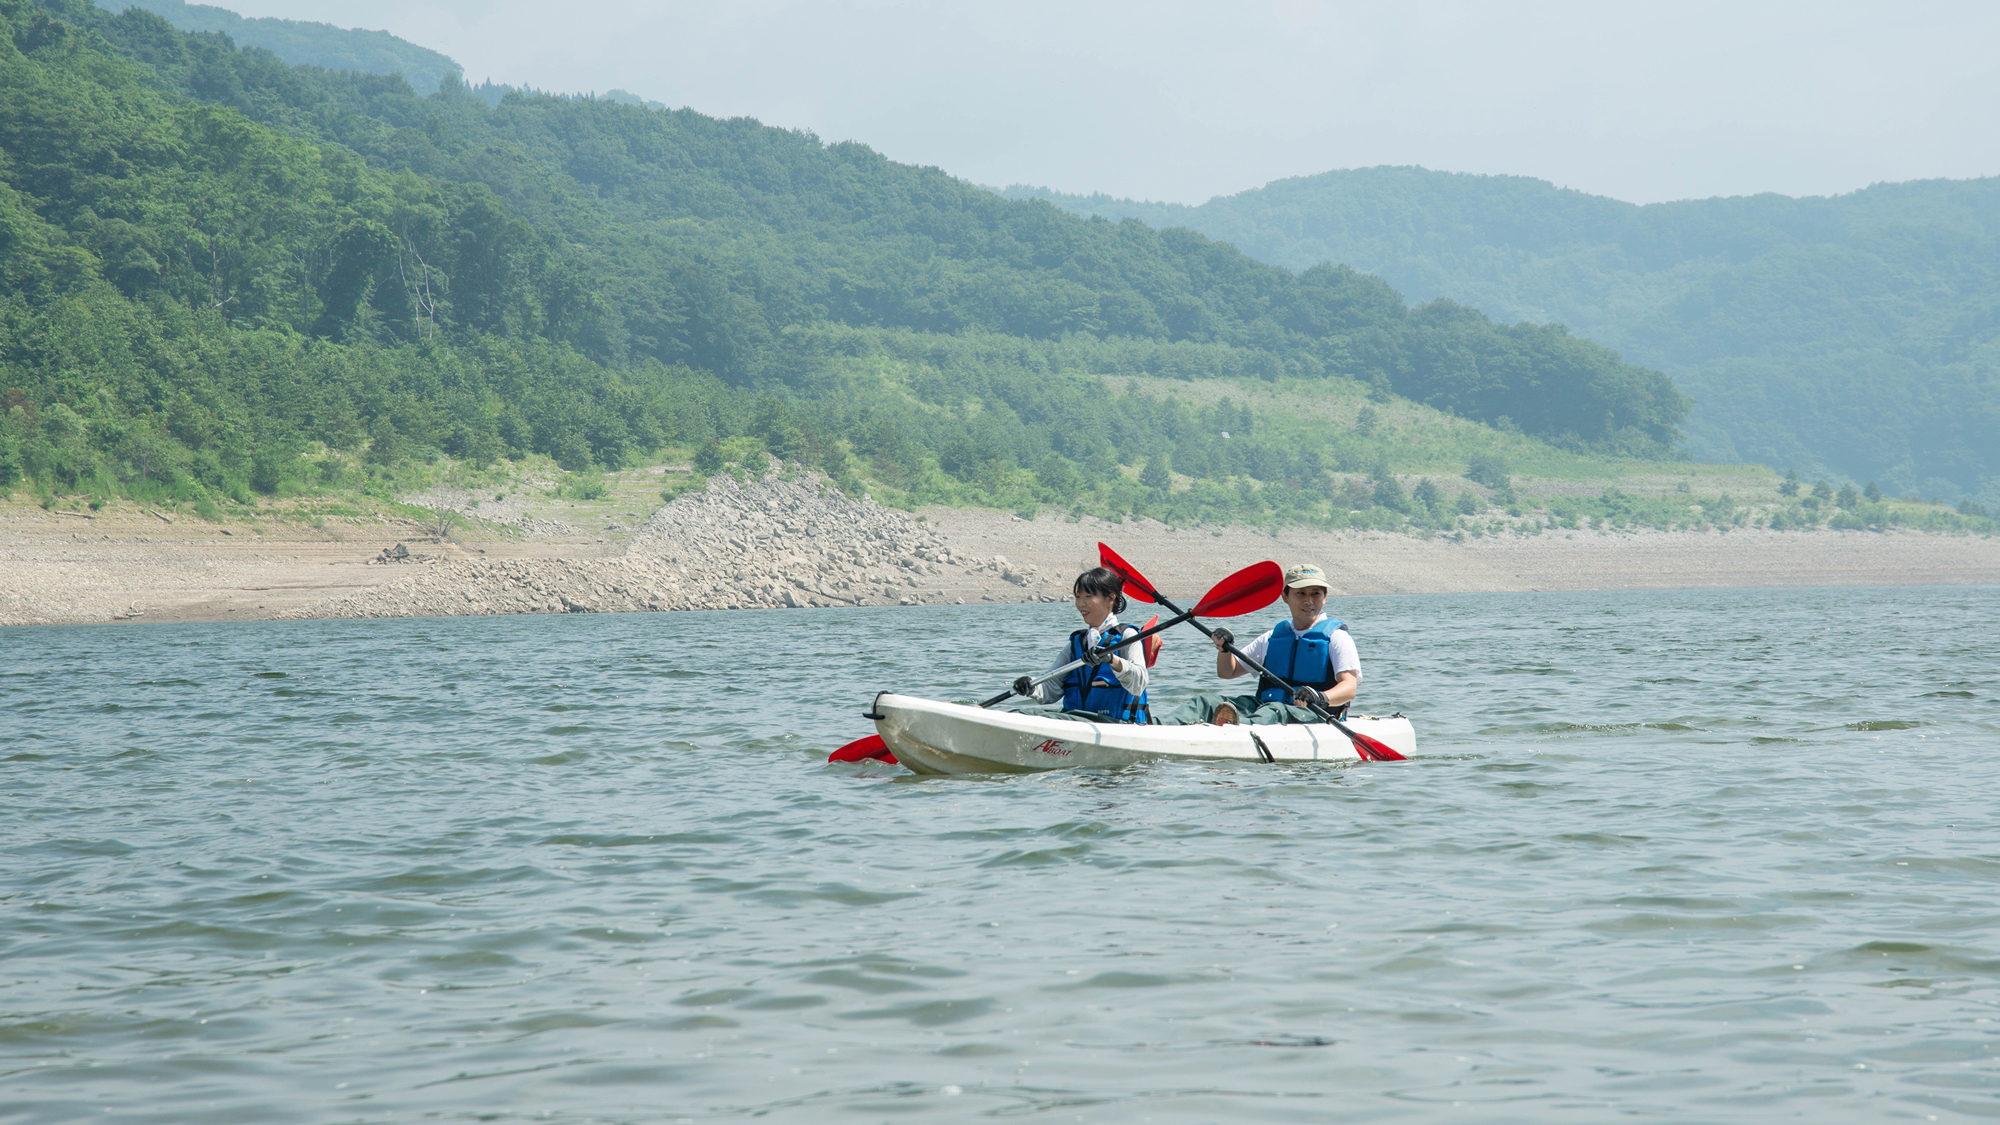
x,y
1309,649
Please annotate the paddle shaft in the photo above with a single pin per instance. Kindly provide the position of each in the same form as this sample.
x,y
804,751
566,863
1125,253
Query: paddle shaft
x,y
1363,744
1312,705
1107,650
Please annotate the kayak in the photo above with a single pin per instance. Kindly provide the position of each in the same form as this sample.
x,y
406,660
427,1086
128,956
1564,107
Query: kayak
x,y
932,737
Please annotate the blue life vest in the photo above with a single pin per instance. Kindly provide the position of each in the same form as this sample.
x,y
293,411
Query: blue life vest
x,y
1097,689
1303,658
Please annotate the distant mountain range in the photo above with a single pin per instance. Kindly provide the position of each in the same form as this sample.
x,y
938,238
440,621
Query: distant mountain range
x,y
313,44
1856,336
221,275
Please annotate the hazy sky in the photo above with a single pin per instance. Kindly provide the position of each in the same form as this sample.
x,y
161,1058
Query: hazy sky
x,y
1179,101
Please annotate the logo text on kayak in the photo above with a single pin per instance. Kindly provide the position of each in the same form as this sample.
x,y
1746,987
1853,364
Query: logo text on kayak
x,y
1052,746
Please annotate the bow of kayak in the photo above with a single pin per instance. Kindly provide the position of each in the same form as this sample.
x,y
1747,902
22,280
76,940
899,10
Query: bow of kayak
x,y
929,736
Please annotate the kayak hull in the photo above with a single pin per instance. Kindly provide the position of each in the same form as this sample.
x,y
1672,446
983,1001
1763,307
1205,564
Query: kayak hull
x,y
933,737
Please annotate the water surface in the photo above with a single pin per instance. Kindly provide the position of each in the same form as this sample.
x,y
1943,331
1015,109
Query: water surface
x,y
1684,856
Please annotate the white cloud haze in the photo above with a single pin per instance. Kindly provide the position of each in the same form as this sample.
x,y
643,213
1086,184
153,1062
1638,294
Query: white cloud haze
x,y
1182,101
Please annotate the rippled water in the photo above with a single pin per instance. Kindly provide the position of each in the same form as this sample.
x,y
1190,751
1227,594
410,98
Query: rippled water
x,y
1696,856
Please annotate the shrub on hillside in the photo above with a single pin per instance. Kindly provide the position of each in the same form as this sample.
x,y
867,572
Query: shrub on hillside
x,y
1489,469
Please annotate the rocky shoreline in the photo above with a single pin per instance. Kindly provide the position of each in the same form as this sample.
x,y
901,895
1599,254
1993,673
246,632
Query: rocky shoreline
x,y
780,542
788,539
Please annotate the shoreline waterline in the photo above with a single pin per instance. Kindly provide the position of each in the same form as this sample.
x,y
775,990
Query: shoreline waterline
x,y
128,566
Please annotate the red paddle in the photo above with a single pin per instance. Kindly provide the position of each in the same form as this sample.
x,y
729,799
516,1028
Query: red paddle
x,y
860,748
1370,749
1246,591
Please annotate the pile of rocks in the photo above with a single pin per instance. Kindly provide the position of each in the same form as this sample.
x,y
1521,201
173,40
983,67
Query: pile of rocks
x,y
787,540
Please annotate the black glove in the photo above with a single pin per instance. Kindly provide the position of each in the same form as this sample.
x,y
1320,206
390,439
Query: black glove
x,y
1225,636
1023,686
1308,697
1095,656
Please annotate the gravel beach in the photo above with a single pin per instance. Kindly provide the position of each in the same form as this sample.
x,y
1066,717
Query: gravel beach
x,y
779,542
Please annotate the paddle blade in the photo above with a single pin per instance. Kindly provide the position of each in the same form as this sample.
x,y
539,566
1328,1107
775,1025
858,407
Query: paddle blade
x,y
870,747
1246,591
1374,750
1135,583
1153,644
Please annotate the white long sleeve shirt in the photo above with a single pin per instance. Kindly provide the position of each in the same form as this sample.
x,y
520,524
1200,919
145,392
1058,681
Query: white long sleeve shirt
x,y
1132,678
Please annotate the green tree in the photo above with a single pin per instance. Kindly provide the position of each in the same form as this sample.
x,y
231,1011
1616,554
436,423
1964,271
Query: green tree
x,y
1489,469
1428,496
1848,498
1388,491
1057,474
1873,492
1790,485
1155,475
385,445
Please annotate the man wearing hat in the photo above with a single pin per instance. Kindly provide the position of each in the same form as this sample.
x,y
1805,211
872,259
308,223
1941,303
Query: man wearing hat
x,y
1310,649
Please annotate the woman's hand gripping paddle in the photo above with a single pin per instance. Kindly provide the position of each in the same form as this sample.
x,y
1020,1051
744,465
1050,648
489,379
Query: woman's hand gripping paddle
x,y
1246,591
1370,749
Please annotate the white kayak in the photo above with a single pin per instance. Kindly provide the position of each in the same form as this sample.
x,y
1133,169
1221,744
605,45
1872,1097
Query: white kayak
x,y
932,737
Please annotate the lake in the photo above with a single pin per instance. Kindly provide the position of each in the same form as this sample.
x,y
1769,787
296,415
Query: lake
x,y
1675,856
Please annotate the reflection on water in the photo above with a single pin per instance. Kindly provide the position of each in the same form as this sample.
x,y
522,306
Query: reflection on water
x,y
1696,856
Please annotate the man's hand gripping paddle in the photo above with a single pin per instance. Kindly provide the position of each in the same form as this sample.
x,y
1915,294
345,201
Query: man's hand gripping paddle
x,y
1370,749
1246,591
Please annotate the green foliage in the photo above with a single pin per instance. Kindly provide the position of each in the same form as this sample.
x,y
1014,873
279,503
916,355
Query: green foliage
x,y
1873,493
1851,335
1059,476
1489,469
228,277
1389,493
582,486
1790,487
1155,475
315,44
1428,497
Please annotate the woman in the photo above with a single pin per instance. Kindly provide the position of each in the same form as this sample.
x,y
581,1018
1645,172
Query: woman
x,y
1114,688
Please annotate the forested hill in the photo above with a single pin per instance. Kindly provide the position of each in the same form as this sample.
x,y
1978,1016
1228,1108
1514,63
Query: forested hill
x,y
1856,334
217,261
314,44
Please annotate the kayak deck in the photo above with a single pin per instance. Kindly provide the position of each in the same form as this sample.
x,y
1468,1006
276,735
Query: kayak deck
x,y
929,736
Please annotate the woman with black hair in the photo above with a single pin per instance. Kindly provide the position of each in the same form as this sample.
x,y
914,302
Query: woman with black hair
x,y
1115,687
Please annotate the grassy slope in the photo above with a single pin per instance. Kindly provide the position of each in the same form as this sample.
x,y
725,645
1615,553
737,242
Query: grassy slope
x,y
1851,335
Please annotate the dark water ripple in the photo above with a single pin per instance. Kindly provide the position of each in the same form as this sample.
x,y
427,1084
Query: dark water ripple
x,y
1699,856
